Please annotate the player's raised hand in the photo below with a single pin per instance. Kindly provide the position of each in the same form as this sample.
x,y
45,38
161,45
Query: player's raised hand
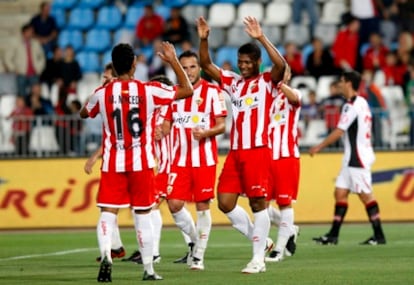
x,y
202,28
167,52
252,27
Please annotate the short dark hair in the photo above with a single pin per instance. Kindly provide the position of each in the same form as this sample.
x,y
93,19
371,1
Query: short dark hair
x,y
25,27
251,49
122,58
188,53
162,78
110,66
354,77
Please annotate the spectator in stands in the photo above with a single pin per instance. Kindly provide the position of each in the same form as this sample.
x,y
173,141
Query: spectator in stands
x,y
345,48
393,72
293,58
52,74
311,110
22,117
45,28
372,93
75,125
40,105
405,48
187,45
176,29
320,60
149,27
331,107
63,123
374,56
310,6
26,59
369,14
71,71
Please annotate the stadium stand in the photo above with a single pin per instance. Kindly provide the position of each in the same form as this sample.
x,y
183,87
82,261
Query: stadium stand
x,y
92,27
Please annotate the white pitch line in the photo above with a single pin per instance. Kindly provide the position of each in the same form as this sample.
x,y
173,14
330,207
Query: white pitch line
x,y
47,254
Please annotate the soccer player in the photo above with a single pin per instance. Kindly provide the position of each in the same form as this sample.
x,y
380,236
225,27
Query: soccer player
x,y
285,164
354,127
196,121
127,175
245,171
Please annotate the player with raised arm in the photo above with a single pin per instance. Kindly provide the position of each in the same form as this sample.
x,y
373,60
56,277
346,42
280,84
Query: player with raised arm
x,y
285,164
354,127
127,177
246,169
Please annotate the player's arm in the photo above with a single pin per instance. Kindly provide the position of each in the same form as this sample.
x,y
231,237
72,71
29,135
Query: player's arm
x,y
217,129
290,94
166,127
184,87
330,139
205,60
90,162
254,30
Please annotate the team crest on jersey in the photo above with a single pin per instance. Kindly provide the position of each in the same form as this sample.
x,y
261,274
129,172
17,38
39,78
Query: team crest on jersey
x,y
199,101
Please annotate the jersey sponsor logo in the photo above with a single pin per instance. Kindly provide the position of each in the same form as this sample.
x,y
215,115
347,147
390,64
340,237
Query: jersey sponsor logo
x,y
188,120
245,103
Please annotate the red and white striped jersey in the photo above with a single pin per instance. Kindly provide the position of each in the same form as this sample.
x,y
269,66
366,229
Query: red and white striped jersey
x,y
356,121
162,146
127,109
197,111
251,100
283,128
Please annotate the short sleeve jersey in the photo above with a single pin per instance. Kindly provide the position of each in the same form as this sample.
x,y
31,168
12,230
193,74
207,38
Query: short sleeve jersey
x,y
355,120
251,101
197,111
283,129
127,109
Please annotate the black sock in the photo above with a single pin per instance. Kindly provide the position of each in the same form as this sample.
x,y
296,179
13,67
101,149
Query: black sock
x,y
374,217
340,211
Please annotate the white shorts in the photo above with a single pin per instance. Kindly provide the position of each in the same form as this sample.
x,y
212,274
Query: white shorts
x,y
357,180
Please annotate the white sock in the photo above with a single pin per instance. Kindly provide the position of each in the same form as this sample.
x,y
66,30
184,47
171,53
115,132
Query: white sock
x,y
185,222
104,229
260,233
157,226
144,234
186,237
240,220
203,229
286,229
116,236
274,215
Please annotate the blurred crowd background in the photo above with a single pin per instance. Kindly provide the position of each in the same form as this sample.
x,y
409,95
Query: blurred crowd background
x,y
52,55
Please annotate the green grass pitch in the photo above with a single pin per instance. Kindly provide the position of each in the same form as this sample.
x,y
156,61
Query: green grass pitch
x,y
68,257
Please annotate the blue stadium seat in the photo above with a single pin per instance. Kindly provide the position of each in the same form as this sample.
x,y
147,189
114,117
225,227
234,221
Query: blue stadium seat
x,y
93,4
201,2
64,4
226,53
107,57
123,36
306,51
141,3
163,11
73,38
109,17
97,40
132,16
235,2
81,18
89,61
175,3
60,16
